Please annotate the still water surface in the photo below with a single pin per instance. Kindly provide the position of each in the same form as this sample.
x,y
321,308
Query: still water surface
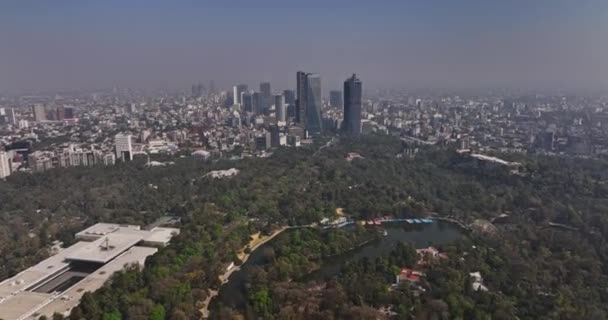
x,y
420,235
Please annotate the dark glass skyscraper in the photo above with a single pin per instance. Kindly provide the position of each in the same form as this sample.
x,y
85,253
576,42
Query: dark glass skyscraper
x,y
335,99
301,95
247,102
313,104
352,105
258,104
266,96
290,97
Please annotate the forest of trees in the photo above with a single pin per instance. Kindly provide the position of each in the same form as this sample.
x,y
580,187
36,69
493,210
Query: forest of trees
x,y
534,271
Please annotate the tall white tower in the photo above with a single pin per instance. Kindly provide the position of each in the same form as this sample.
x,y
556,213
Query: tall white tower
x,y
124,147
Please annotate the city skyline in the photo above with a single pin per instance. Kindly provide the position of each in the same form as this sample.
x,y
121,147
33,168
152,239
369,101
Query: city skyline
x,y
67,45
394,159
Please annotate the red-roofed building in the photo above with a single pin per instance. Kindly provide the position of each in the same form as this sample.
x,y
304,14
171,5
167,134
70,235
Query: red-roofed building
x,y
409,275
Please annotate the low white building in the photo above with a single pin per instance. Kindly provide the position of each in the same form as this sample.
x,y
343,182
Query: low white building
x,y
56,284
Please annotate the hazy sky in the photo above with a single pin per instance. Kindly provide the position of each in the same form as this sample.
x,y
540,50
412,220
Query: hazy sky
x,y
56,44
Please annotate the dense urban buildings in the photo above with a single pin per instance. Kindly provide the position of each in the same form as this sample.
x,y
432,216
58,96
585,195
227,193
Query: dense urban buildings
x,y
41,133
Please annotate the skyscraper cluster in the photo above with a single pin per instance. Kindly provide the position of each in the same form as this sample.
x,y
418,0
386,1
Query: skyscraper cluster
x,y
302,107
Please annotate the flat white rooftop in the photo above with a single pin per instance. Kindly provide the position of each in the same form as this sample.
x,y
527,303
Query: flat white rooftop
x,y
42,270
18,301
15,308
70,298
102,229
161,235
105,248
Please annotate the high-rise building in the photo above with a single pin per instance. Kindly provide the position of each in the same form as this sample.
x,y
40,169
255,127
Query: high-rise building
x,y
266,96
227,99
301,96
5,165
265,89
263,141
211,87
290,103
258,103
313,104
69,112
60,113
247,102
290,97
275,136
197,90
237,90
236,95
352,105
10,116
130,108
124,147
39,112
335,99
279,108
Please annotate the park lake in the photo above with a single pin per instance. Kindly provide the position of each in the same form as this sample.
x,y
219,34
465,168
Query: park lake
x,y
420,235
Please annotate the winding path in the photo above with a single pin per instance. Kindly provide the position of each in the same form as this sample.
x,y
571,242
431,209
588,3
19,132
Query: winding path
x,y
226,275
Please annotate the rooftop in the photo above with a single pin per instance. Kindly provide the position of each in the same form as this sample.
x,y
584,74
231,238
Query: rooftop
x,y
32,275
160,235
71,297
101,229
105,248
83,267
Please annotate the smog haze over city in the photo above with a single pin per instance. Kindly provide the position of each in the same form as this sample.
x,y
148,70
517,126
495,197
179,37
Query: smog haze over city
x,y
304,159
520,44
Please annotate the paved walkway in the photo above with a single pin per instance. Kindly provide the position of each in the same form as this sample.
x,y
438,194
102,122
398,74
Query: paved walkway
x,y
224,277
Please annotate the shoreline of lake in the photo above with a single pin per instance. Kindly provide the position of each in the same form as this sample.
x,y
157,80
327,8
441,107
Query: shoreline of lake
x,y
422,235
